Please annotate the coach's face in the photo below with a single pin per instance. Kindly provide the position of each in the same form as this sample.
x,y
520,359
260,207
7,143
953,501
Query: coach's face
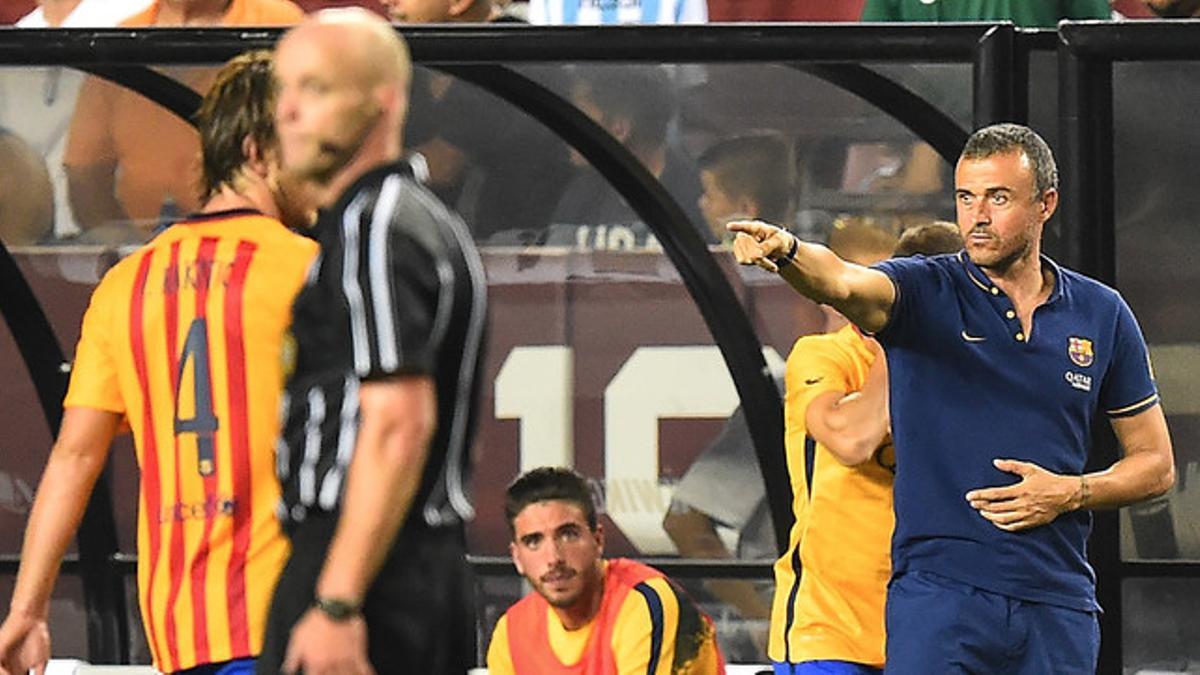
x,y
1000,213
558,553
325,107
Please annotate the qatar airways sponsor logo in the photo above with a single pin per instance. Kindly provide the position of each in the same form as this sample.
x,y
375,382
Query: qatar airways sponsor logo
x,y
212,507
1079,381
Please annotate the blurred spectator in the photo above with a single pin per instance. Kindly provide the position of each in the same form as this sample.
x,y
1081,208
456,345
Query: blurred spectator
x,y
81,13
314,5
783,10
500,169
26,196
592,13
11,10
1131,9
1039,14
635,104
1174,9
42,120
442,11
117,170
749,177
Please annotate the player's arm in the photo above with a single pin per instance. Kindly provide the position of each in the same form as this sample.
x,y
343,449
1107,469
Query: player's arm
x,y
852,425
76,461
397,417
1146,469
863,295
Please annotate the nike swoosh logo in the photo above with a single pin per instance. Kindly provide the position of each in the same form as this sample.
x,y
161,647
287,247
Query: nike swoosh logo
x,y
813,380
972,338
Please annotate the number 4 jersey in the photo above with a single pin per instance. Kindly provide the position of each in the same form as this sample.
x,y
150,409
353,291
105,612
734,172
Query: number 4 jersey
x,y
184,338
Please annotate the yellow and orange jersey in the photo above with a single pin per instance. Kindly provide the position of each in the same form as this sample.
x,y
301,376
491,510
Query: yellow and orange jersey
x,y
184,338
645,626
831,583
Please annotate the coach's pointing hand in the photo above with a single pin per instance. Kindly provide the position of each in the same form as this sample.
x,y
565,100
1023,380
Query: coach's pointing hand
x,y
1037,499
759,243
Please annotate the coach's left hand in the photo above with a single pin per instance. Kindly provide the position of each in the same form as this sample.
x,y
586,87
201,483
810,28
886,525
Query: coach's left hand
x,y
321,646
1037,499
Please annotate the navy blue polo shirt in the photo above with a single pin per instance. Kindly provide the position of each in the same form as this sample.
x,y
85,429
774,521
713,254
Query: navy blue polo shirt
x,y
967,386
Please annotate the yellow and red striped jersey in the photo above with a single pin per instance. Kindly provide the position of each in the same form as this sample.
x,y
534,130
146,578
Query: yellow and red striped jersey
x,y
831,583
184,338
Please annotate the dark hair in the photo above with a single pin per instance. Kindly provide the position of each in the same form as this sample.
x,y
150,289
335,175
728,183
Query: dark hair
x,y
545,484
757,166
240,104
641,94
1000,139
929,239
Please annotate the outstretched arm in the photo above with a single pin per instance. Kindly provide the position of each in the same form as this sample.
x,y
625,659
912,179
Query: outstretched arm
x,y
863,295
1146,470
852,426
75,463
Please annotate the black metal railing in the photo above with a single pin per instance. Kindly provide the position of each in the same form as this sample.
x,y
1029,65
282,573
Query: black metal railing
x,y
999,56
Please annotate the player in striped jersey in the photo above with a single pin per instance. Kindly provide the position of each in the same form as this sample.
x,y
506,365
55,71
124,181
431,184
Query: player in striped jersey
x,y
182,341
589,616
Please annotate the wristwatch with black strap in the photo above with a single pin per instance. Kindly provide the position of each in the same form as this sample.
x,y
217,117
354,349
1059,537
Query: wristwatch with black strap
x,y
789,257
338,609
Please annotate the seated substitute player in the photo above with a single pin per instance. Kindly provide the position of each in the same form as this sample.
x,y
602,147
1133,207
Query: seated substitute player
x,y
182,340
589,616
830,618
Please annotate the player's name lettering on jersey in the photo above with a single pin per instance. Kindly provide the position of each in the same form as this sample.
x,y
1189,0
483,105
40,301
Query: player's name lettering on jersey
x,y
212,507
196,274
1079,381
610,4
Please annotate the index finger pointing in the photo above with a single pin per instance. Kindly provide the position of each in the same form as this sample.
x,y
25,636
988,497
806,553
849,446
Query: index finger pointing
x,y
754,228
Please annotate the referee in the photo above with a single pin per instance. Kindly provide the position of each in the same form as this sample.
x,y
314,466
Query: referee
x,y
378,408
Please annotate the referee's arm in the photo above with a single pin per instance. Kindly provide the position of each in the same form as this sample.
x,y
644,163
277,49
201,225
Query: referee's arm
x,y
398,416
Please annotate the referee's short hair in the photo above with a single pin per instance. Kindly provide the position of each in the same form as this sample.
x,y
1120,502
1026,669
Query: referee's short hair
x,y
549,483
240,105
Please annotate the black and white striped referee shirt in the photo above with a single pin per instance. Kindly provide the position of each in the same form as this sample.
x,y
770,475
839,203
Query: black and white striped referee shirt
x,y
398,289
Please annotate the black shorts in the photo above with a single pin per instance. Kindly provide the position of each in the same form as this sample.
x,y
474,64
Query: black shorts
x,y
419,611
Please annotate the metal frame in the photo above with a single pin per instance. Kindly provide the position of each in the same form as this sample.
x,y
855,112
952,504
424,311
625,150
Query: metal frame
x,y
999,56
1086,54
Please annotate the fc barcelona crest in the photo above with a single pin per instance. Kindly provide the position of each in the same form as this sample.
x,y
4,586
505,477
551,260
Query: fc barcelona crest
x,y
1081,352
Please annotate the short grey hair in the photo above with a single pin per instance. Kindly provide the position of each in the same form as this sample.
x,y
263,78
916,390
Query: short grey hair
x,y
1000,139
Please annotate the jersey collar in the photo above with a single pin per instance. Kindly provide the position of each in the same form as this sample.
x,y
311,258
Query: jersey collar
x,y
980,280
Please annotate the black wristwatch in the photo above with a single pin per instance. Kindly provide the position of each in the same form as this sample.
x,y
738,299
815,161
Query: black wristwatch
x,y
337,609
789,257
